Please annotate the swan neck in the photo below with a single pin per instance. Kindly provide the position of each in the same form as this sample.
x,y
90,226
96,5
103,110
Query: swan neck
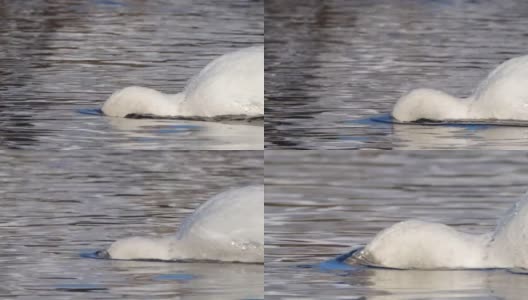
x,y
450,107
430,104
180,105
188,248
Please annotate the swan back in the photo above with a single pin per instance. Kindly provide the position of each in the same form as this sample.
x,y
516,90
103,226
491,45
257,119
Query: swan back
x,y
510,239
232,84
233,217
504,92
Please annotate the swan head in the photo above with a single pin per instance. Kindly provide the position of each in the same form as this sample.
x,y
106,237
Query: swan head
x,y
415,244
429,104
139,100
137,248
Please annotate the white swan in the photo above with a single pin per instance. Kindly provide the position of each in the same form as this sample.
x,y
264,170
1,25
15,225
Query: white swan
x,y
423,245
228,227
232,84
503,95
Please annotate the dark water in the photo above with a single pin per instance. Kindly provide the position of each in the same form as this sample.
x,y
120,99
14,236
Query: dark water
x,y
331,63
60,56
323,204
56,207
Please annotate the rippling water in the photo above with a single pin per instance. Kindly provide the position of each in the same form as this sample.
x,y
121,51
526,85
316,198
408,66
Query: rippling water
x,y
331,63
57,206
322,204
61,56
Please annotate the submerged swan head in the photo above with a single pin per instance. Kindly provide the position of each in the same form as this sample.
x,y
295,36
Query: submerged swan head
x,y
140,100
139,248
232,84
429,104
227,227
416,244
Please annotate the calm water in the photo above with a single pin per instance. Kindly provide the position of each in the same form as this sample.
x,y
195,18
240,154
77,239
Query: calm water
x,y
60,56
322,204
59,205
329,64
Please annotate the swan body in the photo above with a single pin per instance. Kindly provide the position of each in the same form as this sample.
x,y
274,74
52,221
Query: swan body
x,y
424,245
232,84
503,95
228,227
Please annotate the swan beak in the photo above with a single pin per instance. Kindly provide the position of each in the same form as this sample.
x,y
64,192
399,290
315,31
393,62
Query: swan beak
x,y
102,254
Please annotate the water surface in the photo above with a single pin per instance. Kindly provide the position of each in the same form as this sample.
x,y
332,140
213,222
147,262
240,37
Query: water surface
x,y
323,204
59,205
333,62
61,56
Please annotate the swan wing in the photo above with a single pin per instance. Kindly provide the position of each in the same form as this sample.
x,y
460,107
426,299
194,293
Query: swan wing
x,y
503,94
232,84
235,216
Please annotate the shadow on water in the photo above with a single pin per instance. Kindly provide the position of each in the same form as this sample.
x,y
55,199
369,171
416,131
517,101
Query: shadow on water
x,y
80,288
382,131
192,273
467,124
389,283
233,119
103,254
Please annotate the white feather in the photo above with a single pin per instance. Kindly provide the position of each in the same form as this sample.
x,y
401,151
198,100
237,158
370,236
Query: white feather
x,y
232,84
